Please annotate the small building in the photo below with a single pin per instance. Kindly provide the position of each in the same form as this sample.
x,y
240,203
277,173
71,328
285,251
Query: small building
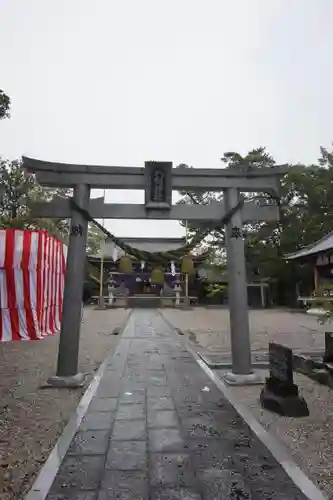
x,y
258,291
319,255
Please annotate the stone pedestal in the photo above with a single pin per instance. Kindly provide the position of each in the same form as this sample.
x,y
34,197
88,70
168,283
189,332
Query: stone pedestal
x,y
253,378
74,382
283,399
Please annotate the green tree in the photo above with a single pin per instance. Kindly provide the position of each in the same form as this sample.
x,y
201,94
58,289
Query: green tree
x,y
4,105
200,197
19,189
256,158
306,209
94,240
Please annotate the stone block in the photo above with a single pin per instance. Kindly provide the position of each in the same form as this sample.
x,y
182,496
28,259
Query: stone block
x,y
130,397
89,443
130,411
97,421
173,469
162,418
124,485
222,483
163,440
79,473
175,494
73,495
127,455
160,403
286,406
103,404
129,430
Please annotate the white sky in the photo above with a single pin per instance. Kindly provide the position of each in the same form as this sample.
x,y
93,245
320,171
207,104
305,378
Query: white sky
x,y
120,82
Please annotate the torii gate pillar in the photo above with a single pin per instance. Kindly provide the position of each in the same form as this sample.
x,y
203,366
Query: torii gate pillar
x,y
67,368
242,372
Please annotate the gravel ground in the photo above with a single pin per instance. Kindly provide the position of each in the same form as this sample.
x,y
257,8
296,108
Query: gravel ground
x,y
209,328
309,440
31,419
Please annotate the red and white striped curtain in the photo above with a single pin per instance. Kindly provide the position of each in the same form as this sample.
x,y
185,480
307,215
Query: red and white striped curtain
x,y
32,273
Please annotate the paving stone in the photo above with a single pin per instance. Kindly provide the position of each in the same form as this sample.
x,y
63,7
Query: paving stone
x,y
103,404
74,495
157,373
135,378
124,485
127,455
97,421
215,425
165,440
194,394
175,494
89,443
130,397
106,391
271,491
189,408
158,391
155,381
223,484
130,411
79,473
162,418
134,387
210,452
129,430
201,426
155,366
160,403
173,469
111,379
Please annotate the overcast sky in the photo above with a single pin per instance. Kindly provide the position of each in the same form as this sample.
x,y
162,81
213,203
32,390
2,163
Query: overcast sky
x,y
120,82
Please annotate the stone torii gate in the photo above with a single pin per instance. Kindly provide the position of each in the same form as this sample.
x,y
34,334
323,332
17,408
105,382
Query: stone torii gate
x,y
158,180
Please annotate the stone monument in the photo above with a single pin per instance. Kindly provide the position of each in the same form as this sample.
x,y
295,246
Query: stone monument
x,y
280,394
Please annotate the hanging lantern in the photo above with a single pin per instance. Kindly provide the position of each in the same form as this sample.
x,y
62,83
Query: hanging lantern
x,y
187,266
125,264
157,276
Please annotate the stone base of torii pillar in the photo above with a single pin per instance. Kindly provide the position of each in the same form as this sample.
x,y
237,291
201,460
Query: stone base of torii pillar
x,y
253,378
73,382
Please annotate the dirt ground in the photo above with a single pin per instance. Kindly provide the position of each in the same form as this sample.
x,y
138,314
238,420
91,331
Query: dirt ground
x,y
309,440
31,419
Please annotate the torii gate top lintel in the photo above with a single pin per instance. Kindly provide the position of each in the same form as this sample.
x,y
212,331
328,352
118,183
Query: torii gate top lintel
x,y
107,177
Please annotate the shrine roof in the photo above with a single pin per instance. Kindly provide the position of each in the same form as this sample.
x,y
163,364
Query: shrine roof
x,y
322,245
146,244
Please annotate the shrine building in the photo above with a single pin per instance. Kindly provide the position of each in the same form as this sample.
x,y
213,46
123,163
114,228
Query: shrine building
x,y
138,276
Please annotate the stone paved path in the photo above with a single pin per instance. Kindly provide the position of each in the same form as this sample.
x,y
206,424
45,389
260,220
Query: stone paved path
x,y
158,428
